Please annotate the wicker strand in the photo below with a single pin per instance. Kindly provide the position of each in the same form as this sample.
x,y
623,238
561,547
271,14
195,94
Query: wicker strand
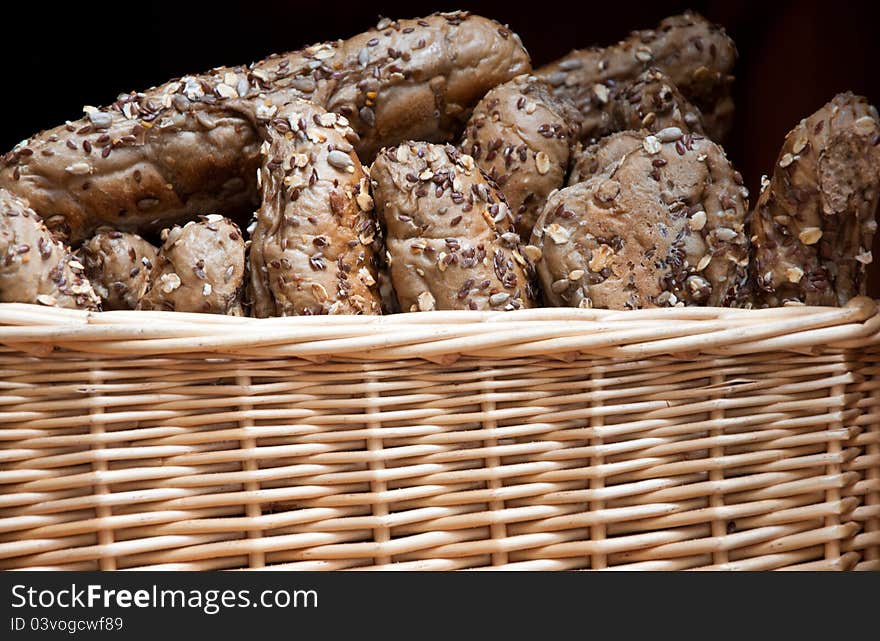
x,y
96,428
257,558
378,486
644,333
871,440
832,548
597,532
498,531
716,500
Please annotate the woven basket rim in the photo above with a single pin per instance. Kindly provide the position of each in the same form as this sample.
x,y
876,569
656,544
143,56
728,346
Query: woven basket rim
x,y
559,332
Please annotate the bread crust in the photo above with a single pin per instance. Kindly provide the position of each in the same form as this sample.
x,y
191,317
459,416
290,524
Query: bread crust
x,y
118,265
652,102
594,159
522,136
314,242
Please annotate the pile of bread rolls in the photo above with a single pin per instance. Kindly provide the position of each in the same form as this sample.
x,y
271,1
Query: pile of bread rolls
x,y
424,165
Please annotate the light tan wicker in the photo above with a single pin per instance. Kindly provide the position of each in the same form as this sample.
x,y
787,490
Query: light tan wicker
x,y
542,439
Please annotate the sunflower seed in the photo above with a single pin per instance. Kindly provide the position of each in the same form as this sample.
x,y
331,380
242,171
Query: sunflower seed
x,y
542,162
697,220
600,258
810,235
559,235
79,169
426,302
340,160
652,145
169,282
533,253
669,134
100,119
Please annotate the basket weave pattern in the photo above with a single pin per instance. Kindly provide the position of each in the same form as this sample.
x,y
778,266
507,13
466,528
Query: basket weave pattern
x,y
542,439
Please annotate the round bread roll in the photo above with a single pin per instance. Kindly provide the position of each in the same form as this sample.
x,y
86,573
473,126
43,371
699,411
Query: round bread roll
x,y
522,136
200,268
696,55
118,265
34,266
653,103
662,225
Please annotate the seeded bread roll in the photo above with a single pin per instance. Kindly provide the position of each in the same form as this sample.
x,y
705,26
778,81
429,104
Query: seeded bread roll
x,y
312,246
165,155
696,55
34,266
595,158
522,135
814,220
667,126
652,103
662,225
449,232
118,266
200,268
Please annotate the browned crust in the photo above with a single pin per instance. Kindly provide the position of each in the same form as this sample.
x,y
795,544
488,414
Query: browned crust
x,y
118,265
595,158
522,136
200,268
652,102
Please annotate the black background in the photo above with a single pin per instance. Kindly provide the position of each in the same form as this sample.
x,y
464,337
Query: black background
x,y
794,55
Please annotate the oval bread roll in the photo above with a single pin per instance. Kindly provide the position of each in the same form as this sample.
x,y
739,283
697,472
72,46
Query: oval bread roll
x,y
449,233
190,146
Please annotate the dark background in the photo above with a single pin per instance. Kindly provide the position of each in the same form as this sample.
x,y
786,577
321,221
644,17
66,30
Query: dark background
x,y
794,55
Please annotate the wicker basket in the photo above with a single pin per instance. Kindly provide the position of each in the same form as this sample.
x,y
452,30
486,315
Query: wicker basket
x,y
544,439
